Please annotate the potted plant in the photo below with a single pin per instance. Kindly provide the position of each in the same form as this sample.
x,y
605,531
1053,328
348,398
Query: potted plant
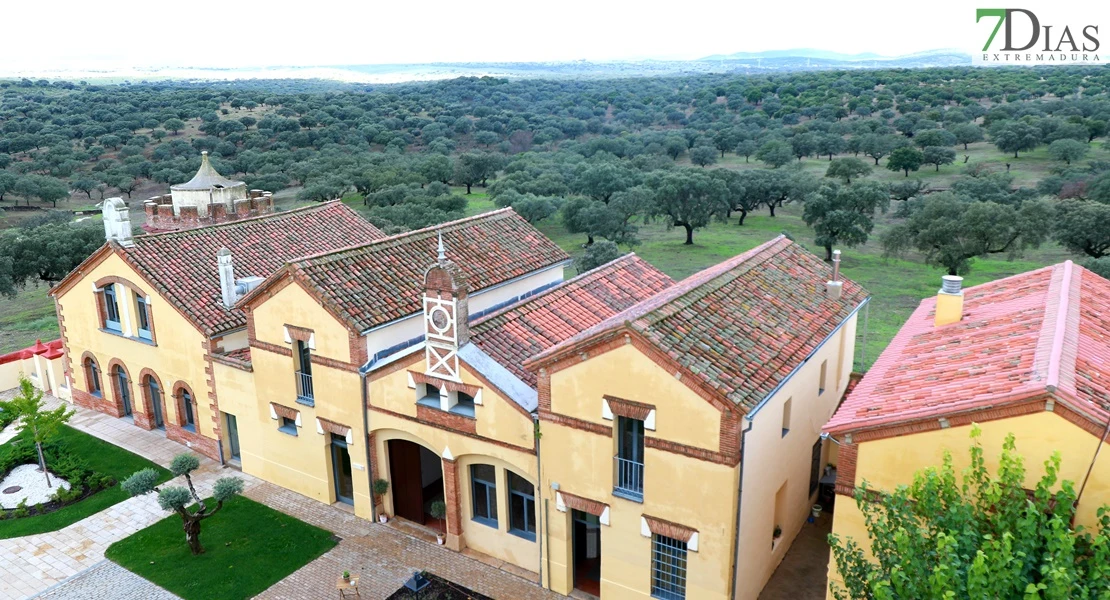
x,y
380,487
439,511
346,575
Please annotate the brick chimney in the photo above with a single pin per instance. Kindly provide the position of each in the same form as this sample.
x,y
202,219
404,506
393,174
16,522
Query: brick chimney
x,y
835,287
950,301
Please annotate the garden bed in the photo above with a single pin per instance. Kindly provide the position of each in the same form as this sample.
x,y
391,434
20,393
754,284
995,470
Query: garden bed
x,y
248,547
438,589
90,465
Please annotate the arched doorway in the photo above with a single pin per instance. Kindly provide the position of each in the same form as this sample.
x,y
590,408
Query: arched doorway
x,y
123,386
417,481
154,394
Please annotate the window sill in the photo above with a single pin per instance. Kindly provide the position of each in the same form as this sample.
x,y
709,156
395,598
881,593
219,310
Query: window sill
x,y
288,431
629,495
189,428
310,402
484,521
433,402
128,337
97,394
463,411
524,535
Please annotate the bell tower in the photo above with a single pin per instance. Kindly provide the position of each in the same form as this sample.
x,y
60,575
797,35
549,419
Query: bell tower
x,y
446,316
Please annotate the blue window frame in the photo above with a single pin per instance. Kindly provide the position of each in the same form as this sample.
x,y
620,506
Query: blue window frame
x,y
142,311
483,488
629,461
111,308
522,507
668,568
187,406
288,426
94,377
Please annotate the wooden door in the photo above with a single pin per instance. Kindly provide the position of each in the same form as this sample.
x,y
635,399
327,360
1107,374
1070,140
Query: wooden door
x,y
404,472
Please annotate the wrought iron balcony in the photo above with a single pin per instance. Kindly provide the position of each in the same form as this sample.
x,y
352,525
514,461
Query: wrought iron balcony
x,y
304,389
628,479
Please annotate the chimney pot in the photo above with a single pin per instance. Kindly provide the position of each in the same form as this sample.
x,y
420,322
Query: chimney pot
x,y
227,277
836,265
950,301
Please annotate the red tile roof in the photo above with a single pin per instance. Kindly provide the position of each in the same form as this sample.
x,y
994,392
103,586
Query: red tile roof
x,y
241,354
372,284
182,264
1045,331
517,332
740,327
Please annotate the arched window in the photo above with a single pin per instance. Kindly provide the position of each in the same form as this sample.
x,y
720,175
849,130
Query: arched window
x,y
187,413
124,388
154,393
92,377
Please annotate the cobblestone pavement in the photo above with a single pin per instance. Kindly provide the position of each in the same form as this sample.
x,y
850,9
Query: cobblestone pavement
x,y
107,580
384,556
34,563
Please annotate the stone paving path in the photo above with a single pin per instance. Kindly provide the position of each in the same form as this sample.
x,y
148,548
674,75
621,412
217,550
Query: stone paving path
x,y
106,579
69,563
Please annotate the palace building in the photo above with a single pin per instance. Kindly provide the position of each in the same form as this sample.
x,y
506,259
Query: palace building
x,y
616,432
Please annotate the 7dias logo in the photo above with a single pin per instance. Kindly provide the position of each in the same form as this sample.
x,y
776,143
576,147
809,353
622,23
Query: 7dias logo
x,y
1027,39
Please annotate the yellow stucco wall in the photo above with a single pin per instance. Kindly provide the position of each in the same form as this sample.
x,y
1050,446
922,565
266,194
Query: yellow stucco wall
x,y
890,462
495,419
777,462
178,355
693,493
303,462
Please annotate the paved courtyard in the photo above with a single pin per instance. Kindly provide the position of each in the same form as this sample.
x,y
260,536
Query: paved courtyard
x,y
70,563
803,573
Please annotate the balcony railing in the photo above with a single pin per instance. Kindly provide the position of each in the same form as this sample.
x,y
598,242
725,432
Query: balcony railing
x,y
304,389
628,480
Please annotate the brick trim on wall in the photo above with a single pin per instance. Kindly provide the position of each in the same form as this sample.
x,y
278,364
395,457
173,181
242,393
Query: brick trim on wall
x,y
438,425
299,334
452,497
439,382
628,408
447,420
583,504
113,383
103,281
317,359
333,428
148,402
846,469
669,529
285,411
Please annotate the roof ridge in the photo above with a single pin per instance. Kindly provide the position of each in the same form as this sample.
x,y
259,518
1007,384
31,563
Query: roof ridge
x,y
449,225
1061,326
273,215
664,297
546,294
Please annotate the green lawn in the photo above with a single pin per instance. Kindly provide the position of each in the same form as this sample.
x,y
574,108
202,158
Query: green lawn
x,y
249,547
103,458
26,317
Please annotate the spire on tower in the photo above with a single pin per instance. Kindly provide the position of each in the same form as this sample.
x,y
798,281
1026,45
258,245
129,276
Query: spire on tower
x,y
442,251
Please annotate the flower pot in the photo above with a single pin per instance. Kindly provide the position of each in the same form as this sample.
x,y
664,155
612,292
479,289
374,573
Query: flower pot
x,y
441,539
383,518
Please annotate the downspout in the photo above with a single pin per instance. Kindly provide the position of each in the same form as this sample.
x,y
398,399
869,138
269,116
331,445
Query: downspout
x,y
366,430
739,505
539,487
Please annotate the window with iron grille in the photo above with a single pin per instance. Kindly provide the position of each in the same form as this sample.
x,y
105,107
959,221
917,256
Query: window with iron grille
x,y
522,507
668,568
305,394
629,461
483,487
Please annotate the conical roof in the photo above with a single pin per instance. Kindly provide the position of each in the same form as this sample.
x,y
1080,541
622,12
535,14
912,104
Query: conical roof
x,y
206,178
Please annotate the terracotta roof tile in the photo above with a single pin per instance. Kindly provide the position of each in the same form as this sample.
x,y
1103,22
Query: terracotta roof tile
x,y
182,264
1042,331
521,330
740,326
375,283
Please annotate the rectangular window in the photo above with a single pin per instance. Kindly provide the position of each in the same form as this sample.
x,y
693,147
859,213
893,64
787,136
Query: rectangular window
x,y
463,405
304,374
142,311
629,461
668,568
111,308
429,396
786,416
824,372
483,488
288,426
522,507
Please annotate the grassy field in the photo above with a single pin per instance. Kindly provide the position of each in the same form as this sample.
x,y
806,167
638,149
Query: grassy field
x,y
248,548
103,458
26,317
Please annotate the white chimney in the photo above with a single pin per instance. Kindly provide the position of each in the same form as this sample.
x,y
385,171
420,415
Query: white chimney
x,y
117,222
834,287
227,277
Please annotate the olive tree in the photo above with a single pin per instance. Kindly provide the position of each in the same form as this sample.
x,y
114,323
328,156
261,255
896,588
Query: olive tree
x,y
178,499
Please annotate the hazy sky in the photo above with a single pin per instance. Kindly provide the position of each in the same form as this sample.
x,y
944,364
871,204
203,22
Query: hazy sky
x,y
67,34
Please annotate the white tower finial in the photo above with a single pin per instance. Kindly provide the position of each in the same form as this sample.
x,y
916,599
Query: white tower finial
x,y
442,251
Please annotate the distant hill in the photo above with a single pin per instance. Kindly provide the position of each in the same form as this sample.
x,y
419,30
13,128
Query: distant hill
x,y
802,59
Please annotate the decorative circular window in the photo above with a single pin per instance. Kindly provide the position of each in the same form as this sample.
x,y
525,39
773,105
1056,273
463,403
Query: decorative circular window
x,y
439,319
